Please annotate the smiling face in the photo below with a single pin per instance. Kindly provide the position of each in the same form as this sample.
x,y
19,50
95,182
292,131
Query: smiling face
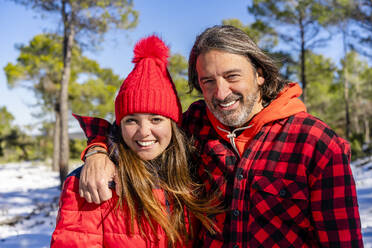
x,y
230,86
147,135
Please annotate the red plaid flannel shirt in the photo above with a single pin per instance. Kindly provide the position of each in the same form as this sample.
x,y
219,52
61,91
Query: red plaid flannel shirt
x,y
292,187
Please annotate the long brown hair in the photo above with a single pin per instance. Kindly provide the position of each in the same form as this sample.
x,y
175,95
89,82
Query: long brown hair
x,y
233,40
171,172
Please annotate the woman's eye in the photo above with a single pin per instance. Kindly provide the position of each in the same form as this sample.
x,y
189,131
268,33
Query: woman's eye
x,y
156,120
129,121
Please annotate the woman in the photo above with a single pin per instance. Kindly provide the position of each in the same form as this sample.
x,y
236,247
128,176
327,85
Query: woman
x,y
158,202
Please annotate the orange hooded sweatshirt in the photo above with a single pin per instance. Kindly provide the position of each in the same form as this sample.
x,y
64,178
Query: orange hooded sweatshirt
x,y
285,105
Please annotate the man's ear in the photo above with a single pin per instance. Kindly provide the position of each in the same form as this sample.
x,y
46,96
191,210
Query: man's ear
x,y
260,77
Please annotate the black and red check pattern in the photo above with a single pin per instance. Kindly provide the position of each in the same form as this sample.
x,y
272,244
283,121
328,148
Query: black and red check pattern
x,y
96,129
292,187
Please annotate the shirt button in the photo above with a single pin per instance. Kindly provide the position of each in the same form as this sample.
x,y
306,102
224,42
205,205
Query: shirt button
x,y
240,176
236,213
282,192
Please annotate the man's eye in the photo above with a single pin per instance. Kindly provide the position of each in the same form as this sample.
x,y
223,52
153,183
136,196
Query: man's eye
x,y
207,81
232,77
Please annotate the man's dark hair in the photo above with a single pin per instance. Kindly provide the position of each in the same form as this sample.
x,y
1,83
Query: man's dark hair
x,y
233,40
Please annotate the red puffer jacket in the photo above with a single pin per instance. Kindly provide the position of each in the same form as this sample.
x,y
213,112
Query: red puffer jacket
x,y
83,224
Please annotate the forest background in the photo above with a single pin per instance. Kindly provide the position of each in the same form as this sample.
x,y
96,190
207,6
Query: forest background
x,y
64,56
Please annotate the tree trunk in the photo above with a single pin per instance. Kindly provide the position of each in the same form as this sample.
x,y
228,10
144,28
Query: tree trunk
x,y
303,67
68,41
24,152
367,137
346,87
358,107
56,138
356,124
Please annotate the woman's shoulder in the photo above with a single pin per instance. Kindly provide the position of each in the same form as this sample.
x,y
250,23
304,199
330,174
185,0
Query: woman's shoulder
x,y
76,217
71,183
70,198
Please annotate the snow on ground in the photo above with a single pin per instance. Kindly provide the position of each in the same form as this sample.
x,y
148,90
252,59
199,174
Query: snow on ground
x,y
29,200
29,194
362,171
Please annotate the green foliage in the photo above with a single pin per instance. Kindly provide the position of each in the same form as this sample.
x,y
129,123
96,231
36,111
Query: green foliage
x,y
263,35
287,12
360,94
6,119
324,95
360,76
90,19
178,70
44,140
16,145
95,94
84,22
356,144
297,23
39,67
76,147
341,12
266,38
362,16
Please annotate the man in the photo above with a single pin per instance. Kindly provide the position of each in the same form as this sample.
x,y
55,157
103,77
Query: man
x,y
284,175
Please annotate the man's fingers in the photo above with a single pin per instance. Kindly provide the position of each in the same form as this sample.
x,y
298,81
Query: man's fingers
x,y
92,189
81,193
81,190
103,190
95,197
83,186
104,193
87,197
94,177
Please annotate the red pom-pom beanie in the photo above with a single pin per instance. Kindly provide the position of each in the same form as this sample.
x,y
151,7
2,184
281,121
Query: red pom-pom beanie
x,y
149,87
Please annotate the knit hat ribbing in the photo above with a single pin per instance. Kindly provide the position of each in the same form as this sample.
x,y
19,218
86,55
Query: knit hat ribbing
x,y
149,87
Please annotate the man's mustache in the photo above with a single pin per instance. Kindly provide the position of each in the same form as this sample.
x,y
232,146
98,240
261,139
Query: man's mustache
x,y
229,98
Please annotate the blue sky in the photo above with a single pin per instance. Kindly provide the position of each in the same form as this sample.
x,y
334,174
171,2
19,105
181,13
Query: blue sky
x,y
177,22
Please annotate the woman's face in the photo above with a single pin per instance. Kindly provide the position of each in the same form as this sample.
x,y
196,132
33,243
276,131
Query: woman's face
x,y
148,135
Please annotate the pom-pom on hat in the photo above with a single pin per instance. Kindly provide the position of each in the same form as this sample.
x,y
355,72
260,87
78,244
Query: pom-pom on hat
x,y
149,87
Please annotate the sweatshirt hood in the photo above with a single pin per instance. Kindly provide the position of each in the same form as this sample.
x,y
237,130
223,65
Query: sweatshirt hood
x,y
286,104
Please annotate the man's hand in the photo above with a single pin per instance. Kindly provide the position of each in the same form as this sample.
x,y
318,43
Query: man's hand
x,y
95,176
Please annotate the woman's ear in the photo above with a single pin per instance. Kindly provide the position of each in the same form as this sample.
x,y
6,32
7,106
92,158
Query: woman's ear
x,y
260,77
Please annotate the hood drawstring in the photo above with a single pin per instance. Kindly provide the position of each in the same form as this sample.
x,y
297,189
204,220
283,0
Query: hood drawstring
x,y
232,136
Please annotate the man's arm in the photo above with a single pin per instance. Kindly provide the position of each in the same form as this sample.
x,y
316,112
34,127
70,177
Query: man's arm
x,y
334,205
98,170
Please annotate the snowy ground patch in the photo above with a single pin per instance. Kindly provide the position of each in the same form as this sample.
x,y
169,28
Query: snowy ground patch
x,y
29,200
28,204
362,171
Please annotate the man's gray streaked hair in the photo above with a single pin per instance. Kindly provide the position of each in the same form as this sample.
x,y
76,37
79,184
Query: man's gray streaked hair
x,y
233,40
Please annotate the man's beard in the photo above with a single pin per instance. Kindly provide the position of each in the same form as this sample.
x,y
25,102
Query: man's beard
x,y
236,117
